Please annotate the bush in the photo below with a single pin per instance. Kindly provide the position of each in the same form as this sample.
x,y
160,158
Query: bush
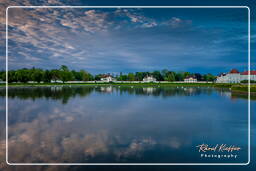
x,y
246,81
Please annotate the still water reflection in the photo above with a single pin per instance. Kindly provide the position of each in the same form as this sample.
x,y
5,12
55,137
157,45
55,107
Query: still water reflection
x,y
85,124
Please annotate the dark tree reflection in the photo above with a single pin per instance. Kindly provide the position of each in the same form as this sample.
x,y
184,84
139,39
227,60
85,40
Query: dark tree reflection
x,y
64,93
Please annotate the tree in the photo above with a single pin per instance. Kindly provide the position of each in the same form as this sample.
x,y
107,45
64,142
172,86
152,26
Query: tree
x,y
124,77
37,75
23,75
164,73
131,77
209,77
12,76
179,76
65,74
139,76
157,75
55,74
86,76
170,76
47,76
64,68
198,76
2,75
186,74
98,77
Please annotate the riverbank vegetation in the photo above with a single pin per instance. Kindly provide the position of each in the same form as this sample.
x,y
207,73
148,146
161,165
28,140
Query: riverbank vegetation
x,y
233,87
65,74
40,77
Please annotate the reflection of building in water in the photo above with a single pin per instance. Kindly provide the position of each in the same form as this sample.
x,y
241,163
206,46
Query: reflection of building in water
x,y
190,90
56,88
106,89
149,90
149,79
234,76
190,79
107,78
226,93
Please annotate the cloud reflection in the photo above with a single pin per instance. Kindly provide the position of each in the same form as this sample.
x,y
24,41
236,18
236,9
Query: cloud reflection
x,y
115,126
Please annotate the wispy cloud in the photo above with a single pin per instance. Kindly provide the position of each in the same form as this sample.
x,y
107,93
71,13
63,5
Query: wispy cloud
x,y
114,39
176,22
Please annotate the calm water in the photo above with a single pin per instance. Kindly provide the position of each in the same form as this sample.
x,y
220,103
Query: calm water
x,y
108,124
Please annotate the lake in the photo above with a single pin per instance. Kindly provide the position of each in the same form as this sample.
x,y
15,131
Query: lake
x,y
125,124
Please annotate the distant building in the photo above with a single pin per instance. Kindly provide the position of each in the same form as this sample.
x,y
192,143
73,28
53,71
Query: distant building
x,y
149,90
190,79
234,76
244,75
106,89
149,79
56,81
107,78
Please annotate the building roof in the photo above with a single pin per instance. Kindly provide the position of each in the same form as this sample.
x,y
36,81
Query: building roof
x,y
247,72
149,76
234,71
222,74
105,76
188,77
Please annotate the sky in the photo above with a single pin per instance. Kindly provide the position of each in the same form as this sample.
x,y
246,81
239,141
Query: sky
x,y
102,40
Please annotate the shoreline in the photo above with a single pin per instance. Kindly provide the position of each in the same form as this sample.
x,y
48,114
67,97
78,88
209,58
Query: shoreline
x,y
234,86
112,83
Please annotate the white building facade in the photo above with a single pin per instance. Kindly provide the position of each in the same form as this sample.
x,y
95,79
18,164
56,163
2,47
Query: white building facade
x,y
234,76
245,75
190,79
107,78
149,79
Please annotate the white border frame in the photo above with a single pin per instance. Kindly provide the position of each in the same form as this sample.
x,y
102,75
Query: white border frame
x,y
249,63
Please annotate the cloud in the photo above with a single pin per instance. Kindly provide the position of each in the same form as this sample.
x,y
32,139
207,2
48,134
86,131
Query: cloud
x,y
176,22
112,39
149,25
137,18
58,31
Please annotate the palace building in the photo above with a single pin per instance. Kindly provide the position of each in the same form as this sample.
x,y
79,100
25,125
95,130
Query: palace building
x,y
149,79
107,78
190,79
234,76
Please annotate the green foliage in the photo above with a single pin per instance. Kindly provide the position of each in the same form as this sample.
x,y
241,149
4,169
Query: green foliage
x,y
47,76
85,76
64,74
2,75
179,76
55,74
37,75
209,77
23,75
169,76
139,76
131,77
97,77
12,77
246,81
157,75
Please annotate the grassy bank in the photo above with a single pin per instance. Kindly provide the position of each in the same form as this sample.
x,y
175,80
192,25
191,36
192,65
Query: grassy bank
x,y
243,88
127,84
234,87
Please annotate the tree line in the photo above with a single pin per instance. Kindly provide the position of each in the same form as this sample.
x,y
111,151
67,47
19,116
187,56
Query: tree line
x,y
65,74
164,75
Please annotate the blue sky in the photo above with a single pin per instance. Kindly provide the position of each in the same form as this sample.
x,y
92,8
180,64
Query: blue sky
x,y
128,40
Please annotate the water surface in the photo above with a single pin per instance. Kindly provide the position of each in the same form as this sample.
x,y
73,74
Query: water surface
x,y
109,124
